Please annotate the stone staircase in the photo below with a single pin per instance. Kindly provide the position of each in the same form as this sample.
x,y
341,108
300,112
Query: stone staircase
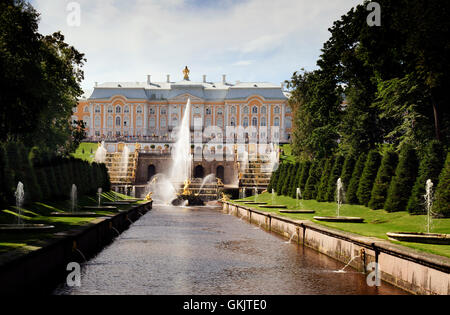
x,y
120,171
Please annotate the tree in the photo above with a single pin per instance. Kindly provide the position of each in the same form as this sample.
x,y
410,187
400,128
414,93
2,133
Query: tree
x,y
316,99
295,181
441,204
333,178
368,177
403,181
429,168
347,170
313,180
304,175
40,80
323,185
352,197
383,180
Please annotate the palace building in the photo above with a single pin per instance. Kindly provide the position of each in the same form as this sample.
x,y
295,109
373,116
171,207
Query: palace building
x,y
147,112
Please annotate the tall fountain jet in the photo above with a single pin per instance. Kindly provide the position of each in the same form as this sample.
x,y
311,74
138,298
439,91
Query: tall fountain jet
x,y
181,153
100,154
165,187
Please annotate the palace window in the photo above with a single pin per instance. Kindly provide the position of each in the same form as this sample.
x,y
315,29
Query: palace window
x,y
152,123
86,109
163,111
98,122
263,110
288,123
255,122
277,122
110,121
233,121
208,122
233,110
288,109
245,110
139,110
245,122
163,123
86,121
255,110
197,111
208,111
75,110
139,121
118,109
263,122
97,133
220,112
152,111
110,109
220,122
98,109
118,122
277,110
127,109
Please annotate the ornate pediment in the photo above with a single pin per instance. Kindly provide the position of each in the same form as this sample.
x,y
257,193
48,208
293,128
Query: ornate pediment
x,y
183,98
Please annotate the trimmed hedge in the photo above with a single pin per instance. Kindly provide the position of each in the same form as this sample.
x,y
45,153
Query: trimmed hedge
x,y
403,181
352,197
347,170
430,167
313,180
368,177
383,180
441,204
333,178
323,185
304,175
46,177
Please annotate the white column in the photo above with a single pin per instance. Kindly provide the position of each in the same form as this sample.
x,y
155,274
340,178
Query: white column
x,y
145,127
91,129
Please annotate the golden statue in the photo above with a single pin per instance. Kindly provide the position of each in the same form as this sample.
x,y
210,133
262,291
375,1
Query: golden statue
x,y
186,191
149,197
225,197
138,147
186,73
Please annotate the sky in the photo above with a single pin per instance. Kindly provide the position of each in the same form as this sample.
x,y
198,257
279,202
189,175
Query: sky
x,y
247,40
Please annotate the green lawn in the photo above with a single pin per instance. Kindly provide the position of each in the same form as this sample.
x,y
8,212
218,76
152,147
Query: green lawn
x,y
39,213
84,151
377,223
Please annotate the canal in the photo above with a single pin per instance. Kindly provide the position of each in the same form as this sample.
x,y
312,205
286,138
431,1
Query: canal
x,y
201,251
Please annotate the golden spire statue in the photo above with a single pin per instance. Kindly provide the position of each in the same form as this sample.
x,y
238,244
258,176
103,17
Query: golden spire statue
x,y
186,73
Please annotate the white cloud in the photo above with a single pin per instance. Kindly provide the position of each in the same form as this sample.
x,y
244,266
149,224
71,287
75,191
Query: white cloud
x,y
125,40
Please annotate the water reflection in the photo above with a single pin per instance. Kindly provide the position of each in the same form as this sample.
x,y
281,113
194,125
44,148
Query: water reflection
x,y
200,252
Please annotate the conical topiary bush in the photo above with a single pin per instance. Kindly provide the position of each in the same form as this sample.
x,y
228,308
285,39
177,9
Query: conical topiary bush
x,y
401,184
430,167
352,197
383,180
368,177
441,204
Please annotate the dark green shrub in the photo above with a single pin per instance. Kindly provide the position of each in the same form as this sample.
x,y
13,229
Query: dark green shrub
x,y
430,167
352,197
323,185
304,175
403,180
313,180
383,180
287,180
282,178
273,180
368,177
295,179
333,178
6,179
441,204
347,170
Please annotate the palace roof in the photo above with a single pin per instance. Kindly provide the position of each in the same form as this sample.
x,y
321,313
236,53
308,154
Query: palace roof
x,y
209,91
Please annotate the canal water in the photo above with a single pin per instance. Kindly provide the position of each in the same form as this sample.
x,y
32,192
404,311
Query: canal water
x,y
201,251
